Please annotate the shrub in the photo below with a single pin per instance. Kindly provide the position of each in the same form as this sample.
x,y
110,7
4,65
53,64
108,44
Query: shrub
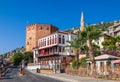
x,y
74,64
83,61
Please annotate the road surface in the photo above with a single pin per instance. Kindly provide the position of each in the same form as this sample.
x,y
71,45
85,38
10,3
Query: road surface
x,y
14,76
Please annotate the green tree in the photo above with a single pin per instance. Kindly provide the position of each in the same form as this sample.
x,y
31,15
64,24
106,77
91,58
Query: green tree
x,y
85,49
83,61
91,33
74,64
76,44
17,58
106,44
112,45
118,42
28,57
96,49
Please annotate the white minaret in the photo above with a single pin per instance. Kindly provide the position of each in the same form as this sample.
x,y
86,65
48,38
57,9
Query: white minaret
x,y
82,22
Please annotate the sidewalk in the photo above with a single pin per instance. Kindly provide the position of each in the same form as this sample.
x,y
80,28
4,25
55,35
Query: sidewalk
x,y
68,78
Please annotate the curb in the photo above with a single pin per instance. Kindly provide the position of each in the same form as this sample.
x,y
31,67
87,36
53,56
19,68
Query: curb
x,y
59,78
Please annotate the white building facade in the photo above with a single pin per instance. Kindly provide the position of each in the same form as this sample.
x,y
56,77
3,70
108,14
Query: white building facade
x,y
52,51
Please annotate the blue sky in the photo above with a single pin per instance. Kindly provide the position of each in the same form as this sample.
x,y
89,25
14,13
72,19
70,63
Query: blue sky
x,y
14,15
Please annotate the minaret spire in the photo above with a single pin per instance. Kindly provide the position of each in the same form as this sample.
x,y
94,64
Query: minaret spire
x,y
82,22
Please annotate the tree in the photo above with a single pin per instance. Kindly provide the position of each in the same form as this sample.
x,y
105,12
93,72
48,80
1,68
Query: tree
x,y
118,42
28,57
96,49
76,44
91,33
106,44
112,45
17,58
85,49
83,61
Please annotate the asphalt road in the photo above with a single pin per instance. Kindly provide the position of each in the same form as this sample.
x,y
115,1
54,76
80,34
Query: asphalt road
x,y
14,76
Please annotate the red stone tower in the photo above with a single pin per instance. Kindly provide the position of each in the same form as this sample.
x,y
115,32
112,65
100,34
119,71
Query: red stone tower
x,y
35,31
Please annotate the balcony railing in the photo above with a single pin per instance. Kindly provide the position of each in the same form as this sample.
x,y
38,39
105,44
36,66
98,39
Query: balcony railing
x,y
48,54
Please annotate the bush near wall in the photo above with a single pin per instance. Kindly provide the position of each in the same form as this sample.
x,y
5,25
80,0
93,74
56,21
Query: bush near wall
x,y
83,72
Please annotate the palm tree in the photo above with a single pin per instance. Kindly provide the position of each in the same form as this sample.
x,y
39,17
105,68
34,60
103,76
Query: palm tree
x,y
96,49
76,44
91,33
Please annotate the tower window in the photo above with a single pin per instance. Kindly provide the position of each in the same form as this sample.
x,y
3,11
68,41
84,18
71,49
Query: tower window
x,y
40,28
30,38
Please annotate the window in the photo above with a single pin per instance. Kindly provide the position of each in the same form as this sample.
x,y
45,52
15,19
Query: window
x,y
42,43
39,44
50,40
60,39
55,39
63,39
62,49
45,42
59,49
40,28
30,38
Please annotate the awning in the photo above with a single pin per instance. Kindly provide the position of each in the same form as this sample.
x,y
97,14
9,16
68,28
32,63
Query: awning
x,y
105,57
